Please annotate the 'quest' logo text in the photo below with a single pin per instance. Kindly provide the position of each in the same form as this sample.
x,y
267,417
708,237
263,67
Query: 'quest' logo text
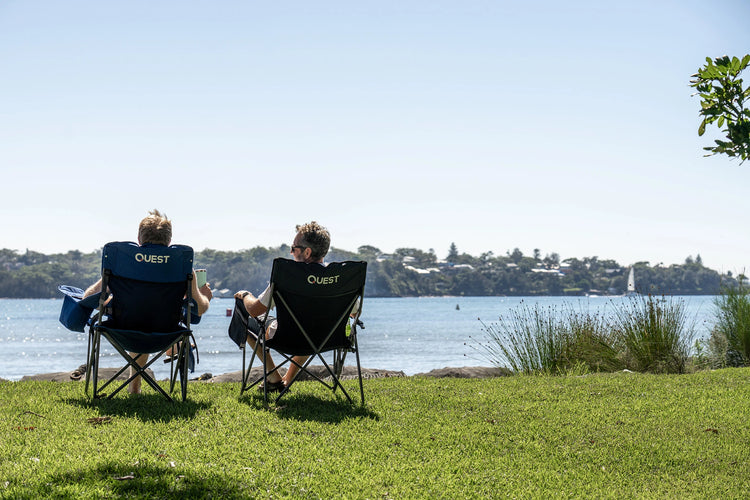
x,y
152,259
319,280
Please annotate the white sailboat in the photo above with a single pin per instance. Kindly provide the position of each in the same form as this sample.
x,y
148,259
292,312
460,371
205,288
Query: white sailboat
x,y
631,284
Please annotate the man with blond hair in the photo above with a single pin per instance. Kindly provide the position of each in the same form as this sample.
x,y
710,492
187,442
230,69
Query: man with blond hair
x,y
156,229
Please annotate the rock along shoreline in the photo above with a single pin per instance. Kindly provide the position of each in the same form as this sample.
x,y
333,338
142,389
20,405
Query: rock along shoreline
x,y
349,372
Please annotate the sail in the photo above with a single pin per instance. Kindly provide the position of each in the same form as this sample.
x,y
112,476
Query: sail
x,y
631,281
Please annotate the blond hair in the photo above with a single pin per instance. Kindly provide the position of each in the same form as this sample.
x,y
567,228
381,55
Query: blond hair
x,y
155,228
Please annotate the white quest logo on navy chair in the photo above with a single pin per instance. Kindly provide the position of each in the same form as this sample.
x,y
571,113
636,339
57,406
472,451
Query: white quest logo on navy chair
x,y
152,259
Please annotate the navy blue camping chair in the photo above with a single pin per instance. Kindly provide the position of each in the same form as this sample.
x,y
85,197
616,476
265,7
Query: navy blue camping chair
x,y
313,305
146,311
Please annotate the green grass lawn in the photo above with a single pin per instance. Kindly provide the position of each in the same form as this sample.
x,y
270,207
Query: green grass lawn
x,y
621,435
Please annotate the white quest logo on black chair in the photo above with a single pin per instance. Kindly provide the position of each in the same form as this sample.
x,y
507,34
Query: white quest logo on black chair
x,y
152,259
322,280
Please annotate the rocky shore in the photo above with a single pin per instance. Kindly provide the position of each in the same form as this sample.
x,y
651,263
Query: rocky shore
x,y
348,373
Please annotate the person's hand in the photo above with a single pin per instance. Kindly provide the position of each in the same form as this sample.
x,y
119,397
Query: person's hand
x,y
242,294
206,291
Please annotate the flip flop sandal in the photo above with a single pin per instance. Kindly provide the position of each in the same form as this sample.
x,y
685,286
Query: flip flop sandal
x,y
78,373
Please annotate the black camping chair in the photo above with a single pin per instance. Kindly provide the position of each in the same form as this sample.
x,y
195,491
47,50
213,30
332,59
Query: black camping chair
x,y
313,305
148,312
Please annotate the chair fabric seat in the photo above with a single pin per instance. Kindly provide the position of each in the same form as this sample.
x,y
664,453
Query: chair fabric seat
x,y
143,342
293,347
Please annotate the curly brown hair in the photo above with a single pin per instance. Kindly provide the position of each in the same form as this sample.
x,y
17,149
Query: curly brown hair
x,y
316,238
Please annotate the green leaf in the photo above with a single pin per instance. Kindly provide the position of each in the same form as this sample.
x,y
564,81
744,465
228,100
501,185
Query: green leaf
x,y
724,102
711,72
735,64
722,61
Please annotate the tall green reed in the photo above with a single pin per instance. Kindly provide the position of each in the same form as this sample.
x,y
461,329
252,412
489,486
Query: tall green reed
x,y
653,334
729,344
538,340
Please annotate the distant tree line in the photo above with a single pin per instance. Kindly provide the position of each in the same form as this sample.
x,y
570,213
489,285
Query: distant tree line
x,y
407,272
412,272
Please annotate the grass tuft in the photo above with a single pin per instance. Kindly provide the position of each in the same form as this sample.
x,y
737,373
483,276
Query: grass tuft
x,y
538,340
729,343
654,334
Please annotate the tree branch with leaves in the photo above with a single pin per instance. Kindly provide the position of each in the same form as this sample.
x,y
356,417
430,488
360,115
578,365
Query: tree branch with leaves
x,y
723,100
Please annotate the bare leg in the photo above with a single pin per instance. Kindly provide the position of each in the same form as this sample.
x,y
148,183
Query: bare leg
x,y
272,377
293,369
135,384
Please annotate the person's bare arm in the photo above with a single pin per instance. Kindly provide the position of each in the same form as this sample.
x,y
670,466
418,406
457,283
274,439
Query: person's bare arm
x,y
202,295
95,288
253,306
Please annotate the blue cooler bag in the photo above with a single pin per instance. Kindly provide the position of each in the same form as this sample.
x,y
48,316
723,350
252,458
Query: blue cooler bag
x,y
76,311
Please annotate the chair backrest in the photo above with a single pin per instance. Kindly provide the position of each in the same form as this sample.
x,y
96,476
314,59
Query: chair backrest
x,y
149,285
314,300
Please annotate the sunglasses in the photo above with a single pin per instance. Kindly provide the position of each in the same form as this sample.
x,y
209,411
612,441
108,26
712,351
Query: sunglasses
x,y
297,247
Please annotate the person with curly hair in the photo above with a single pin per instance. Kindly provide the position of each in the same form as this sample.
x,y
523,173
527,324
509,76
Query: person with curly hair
x,y
310,245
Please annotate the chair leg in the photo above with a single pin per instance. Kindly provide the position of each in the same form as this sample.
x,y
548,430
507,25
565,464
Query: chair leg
x,y
265,369
88,362
246,370
338,361
140,370
172,375
339,356
184,362
359,371
154,385
243,378
330,370
174,365
335,376
94,364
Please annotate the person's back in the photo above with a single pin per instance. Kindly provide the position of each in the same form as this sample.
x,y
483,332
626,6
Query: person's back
x,y
139,310
145,306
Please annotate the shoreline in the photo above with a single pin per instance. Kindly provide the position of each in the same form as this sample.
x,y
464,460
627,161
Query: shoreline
x,y
349,372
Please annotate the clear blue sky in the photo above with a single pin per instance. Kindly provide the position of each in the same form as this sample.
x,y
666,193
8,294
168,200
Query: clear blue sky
x,y
563,126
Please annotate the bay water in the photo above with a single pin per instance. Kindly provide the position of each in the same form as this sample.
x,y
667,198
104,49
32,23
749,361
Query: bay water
x,y
413,335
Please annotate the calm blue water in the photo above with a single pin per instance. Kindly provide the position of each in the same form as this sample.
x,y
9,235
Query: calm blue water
x,y
409,334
